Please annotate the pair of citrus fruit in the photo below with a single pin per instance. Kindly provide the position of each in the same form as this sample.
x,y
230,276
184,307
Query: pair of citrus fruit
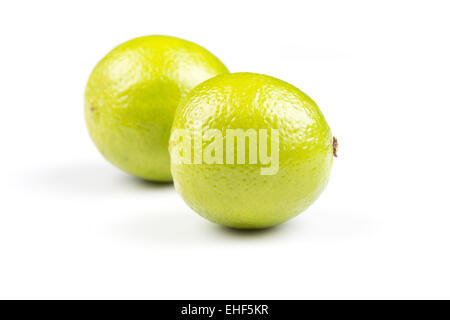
x,y
143,93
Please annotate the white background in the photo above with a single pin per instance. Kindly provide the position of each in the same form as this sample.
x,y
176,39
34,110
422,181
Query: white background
x,y
73,226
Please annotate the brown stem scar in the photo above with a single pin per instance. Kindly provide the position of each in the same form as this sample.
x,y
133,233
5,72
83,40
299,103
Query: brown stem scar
x,y
335,147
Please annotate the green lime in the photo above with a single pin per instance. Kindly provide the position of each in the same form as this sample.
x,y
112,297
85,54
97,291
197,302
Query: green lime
x,y
131,97
249,150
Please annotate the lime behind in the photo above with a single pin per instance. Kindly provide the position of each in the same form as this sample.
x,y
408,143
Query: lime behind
x,y
238,195
131,97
